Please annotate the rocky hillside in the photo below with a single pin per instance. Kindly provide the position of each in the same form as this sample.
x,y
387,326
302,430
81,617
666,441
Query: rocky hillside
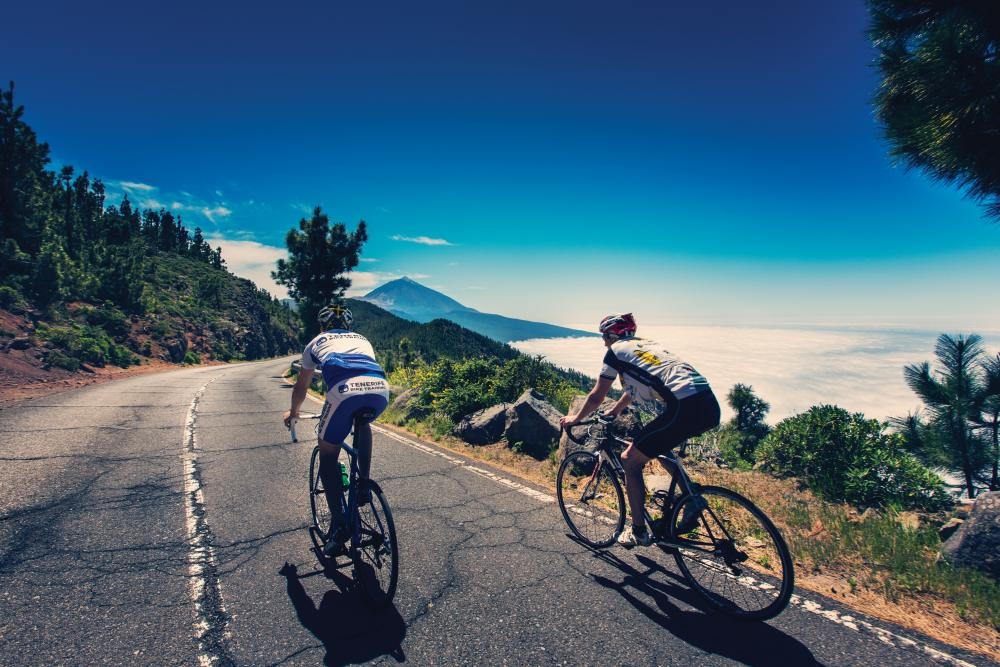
x,y
192,313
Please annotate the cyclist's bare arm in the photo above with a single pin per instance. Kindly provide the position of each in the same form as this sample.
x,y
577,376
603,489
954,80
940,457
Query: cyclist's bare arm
x,y
619,405
299,393
594,398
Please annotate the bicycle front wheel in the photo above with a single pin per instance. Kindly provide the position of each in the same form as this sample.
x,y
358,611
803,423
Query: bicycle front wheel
x,y
376,555
317,503
590,499
733,555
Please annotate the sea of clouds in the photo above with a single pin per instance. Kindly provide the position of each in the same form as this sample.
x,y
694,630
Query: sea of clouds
x,y
793,369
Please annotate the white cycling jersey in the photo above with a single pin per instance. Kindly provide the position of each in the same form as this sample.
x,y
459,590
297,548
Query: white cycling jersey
x,y
340,354
652,376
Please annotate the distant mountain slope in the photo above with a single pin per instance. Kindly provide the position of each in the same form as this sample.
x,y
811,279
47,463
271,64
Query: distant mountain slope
x,y
410,300
507,329
401,342
429,341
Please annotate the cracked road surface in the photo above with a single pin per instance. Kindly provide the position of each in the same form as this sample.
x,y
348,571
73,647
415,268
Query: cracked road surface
x,y
161,520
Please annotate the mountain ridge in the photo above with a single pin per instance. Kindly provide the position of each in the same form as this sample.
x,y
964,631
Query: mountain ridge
x,y
408,299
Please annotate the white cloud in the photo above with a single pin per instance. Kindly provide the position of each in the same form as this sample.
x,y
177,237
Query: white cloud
x,y
182,202
254,261
368,260
422,240
216,211
132,186
859,369
363,282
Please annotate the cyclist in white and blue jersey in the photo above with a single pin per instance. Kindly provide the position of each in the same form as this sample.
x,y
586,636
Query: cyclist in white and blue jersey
x,y
355,384
658,382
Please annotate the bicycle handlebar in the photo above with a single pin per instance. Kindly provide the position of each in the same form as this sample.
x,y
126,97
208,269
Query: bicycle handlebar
x,y
295,420
595,419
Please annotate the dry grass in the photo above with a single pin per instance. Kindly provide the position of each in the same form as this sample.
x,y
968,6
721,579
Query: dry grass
x,y
824,563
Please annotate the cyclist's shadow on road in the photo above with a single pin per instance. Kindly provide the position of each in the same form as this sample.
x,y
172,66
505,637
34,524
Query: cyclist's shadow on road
x,y
748,643
350,629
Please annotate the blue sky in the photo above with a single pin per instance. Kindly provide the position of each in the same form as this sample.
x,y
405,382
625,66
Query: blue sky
x,y
716,163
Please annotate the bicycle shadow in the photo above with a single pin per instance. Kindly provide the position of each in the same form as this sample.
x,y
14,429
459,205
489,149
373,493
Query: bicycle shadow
x,y
749,643
352,631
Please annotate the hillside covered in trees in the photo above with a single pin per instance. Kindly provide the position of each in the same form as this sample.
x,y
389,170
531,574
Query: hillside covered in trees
x,y
87,282
399,342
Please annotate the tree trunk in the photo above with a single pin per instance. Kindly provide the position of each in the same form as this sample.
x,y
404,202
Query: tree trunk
x,y
968,472
995,482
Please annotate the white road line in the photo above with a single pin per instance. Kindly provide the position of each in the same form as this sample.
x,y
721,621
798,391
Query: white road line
x,y
811,606
482,472
201,556
882,634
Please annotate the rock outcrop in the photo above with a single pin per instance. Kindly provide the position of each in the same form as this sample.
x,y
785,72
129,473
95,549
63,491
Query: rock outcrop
x,y
483,427
976,543
530,425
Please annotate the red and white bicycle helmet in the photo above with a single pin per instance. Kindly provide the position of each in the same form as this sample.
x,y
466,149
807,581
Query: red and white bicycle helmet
x,y
619,326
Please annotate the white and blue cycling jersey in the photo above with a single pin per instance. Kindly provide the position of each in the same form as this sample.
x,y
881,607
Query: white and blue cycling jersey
x,y
354,380
339,355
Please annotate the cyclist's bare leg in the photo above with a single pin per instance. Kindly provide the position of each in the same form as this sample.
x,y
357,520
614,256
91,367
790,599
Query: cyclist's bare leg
x,y
363,446
329,472
363,449
634,461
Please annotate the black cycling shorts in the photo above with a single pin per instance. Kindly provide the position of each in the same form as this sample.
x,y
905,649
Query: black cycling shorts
x,y
683,419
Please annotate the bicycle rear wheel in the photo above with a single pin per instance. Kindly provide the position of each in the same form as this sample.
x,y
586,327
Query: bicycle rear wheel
x,y
317,503
590,499
376,555
734,556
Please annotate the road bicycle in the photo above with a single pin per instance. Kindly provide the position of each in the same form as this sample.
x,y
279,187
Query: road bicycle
x,y
372,548
728,550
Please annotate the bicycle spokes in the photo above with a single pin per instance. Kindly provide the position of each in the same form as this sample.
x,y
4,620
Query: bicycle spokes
x,y
590,498
735,558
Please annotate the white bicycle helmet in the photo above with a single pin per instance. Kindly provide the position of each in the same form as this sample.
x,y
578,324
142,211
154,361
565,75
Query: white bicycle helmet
x,y
335,316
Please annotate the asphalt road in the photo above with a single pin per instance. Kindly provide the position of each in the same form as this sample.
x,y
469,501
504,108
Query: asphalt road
x,y
161,520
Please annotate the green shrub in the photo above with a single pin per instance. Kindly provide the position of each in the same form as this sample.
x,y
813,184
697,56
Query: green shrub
x,y
845,457
191,357
459,388
85,344
57,358
109,318
728,440
121,356
8,297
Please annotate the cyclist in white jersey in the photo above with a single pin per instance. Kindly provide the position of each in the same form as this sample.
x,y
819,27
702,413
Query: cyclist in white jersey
x,y
658,382
355,385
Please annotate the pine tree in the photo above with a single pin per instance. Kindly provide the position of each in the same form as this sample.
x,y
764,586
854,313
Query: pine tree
x,y
319,256
939,101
